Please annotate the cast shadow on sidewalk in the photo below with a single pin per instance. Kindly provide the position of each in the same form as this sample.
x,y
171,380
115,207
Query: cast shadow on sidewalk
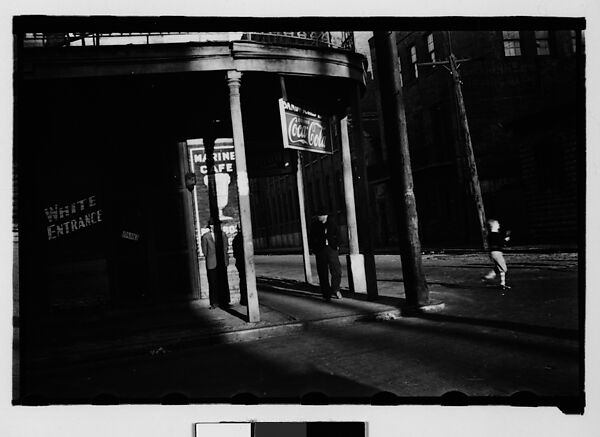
x,y
307,290
443,284
234,312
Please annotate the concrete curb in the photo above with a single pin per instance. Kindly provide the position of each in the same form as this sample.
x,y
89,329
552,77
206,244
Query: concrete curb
x,y
176,340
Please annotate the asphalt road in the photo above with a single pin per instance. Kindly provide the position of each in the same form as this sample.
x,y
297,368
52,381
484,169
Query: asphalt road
x,y
481,344
545,288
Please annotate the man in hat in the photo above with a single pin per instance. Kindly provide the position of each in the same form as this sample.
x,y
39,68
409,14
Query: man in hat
x,y
238,252
324,242
209,249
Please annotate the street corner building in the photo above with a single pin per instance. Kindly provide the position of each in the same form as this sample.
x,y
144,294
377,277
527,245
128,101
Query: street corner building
x,y
128,144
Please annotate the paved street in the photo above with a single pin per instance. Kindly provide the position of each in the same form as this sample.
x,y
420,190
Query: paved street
x,y
545,285
482,344
408,357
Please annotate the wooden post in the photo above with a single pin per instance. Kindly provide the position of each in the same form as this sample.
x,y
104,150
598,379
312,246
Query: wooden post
x,y
394,116
188,216
303,226
471,163
234,79
209,147
355,261
301,205
468,146
362,196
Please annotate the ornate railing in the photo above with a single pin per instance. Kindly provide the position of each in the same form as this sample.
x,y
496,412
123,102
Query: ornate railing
x,y
343,40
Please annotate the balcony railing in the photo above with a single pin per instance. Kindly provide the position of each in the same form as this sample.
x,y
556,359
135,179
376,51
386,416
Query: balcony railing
x,y
342,40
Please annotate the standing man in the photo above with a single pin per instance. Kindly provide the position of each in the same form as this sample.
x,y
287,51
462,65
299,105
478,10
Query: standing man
x,y
323,242
238,253
209,250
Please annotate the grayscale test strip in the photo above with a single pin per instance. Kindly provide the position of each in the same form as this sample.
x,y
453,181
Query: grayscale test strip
x,y
280,429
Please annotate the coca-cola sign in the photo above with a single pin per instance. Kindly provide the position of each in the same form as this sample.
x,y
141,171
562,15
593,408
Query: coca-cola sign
x,y
303,129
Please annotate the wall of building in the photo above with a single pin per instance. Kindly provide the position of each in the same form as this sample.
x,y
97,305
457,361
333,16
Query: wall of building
x,y
509,101
522,113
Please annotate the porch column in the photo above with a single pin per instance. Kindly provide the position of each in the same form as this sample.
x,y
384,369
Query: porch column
x,y
234,79
188,214
356,262
303,225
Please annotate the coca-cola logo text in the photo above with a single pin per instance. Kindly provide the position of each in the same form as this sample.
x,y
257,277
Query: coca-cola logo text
x,y
306,132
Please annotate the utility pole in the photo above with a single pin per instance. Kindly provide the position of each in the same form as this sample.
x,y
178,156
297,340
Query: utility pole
x,y
454,65
396,136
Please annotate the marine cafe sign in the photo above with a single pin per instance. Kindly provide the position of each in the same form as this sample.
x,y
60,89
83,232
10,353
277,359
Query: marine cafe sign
x,y
303,129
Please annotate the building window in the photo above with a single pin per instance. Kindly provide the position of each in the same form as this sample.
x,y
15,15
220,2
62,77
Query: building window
x,y
430,47
400,70
542,42
512,43
573,41
413,60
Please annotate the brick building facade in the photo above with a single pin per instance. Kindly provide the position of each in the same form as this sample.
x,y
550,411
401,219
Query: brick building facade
x,y
524,101
521,96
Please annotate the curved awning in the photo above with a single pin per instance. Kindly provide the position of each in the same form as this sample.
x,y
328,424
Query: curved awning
x,y
244,56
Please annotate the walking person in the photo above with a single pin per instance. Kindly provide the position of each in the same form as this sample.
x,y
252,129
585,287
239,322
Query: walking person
x,y
496,242
324,243
209,250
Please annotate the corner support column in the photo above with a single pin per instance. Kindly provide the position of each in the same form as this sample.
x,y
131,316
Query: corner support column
x,y
234,79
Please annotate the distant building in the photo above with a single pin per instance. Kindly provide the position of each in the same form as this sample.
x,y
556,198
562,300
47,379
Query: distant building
x,y
521,97
524,106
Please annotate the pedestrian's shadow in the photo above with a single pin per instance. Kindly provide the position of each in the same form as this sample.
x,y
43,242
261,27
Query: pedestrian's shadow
x,y
297,288
289,286
547,331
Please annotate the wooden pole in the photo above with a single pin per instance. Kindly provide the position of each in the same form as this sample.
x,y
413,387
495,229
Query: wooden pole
x,y
234,79
303,224
349,189
209,148
188,215
301,204
471,163
394,117
362,195
355,261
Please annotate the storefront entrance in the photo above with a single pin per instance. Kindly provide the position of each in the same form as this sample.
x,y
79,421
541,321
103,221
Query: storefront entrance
x,y
105,222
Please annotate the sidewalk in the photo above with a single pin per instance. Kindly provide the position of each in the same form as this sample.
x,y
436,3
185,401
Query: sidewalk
x,y
284,309
522,248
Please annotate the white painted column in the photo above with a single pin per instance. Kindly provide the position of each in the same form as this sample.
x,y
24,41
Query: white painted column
x,y
234,79
356,262
303,225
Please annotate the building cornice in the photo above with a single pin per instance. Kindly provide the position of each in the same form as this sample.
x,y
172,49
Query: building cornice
x,y
80,62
